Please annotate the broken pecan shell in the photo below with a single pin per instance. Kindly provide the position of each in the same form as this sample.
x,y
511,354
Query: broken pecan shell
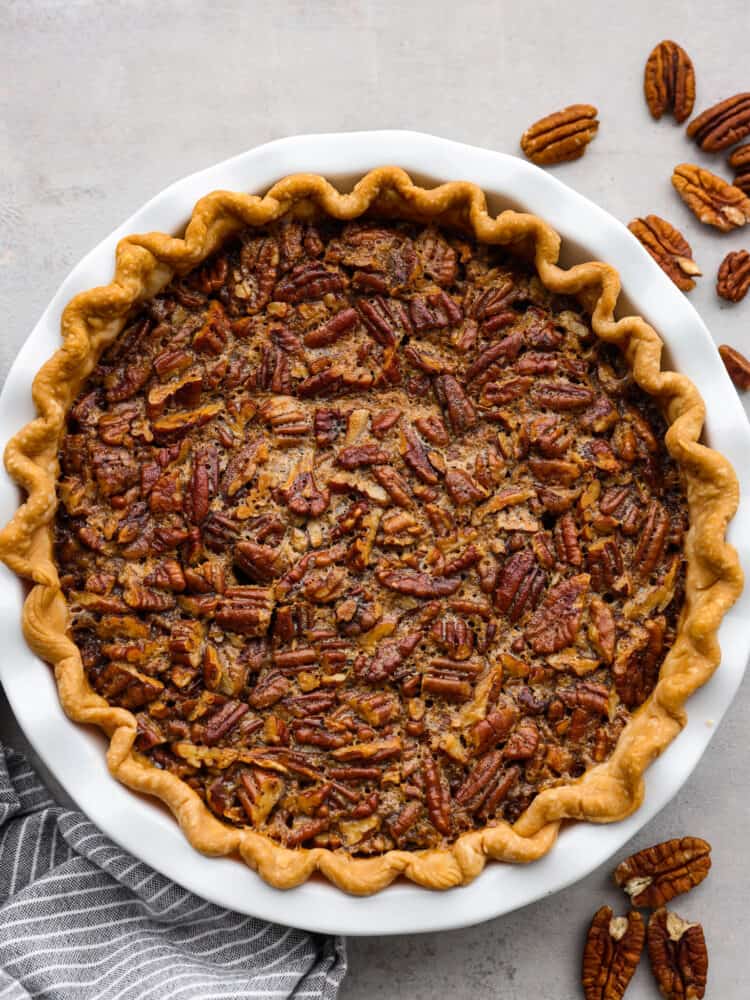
x,y
723,124
561,136
711,199
657,874
679,957
669,81
669,248
610,957
733,280
737,365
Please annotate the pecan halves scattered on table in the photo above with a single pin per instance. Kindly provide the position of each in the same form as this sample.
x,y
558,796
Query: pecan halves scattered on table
x,y
657,874
733,280
737,365
679,958
739,161
669,248
561,136
723,124
669,81
613,949
712,200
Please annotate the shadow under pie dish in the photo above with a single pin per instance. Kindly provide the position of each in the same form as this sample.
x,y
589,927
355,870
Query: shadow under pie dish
x,y
369,549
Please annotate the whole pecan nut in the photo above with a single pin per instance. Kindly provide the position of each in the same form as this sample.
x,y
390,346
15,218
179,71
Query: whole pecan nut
x,y
733,280
561,136
739,161
737,365
669,248
657,874
723,124
669,81
613,949
713,200
679,958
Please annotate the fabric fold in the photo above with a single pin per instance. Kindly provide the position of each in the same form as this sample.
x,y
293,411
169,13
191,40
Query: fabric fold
x,y
81,919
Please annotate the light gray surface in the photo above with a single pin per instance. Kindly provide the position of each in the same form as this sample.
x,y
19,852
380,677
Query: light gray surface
x,y
103,105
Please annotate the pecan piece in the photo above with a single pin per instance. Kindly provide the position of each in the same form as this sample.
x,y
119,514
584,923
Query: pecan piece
x,y
415,456
394,484
602,633
384,319
400,825
323,383
261,563
439,259
182,421
220,531
272,687
437,795
242,467
305,497
523,742
387,658
669,248
561,136
556,622
223,722
457,406
737,365
246,610
520,585
657,874
613,949
739,161
416,584
454,636
332,330
359,455
286,417
328,424
562,395
127,686
723,124
212,337
669,81
566,541
636,667
710,198
480,781
433,312
733,281
124,383
302,832
493,729
259,793
374,750
653,539
679,958
309,280
463,488
204,482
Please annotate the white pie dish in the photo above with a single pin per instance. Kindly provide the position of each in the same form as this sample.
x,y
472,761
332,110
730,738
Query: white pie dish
x,y
76,756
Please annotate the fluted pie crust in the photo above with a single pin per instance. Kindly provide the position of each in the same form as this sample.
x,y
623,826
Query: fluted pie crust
x,y
144,264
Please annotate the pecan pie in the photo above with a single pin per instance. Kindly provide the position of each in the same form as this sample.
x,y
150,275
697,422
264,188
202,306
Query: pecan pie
x,y
370,550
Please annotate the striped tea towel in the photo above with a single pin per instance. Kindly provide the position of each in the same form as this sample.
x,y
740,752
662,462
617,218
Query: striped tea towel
x,y
82,919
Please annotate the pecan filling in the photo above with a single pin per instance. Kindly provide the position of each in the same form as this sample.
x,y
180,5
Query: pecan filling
x,y
373,536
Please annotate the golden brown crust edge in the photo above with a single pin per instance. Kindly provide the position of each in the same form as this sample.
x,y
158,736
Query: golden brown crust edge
x,y
607,792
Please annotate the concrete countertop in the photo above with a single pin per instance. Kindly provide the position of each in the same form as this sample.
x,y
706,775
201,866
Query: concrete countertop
x,y
102,105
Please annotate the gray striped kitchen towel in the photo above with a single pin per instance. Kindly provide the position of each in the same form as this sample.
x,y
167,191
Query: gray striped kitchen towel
x,y
82,919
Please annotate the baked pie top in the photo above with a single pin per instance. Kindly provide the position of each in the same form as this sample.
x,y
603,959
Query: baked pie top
x,y
372,534
371,547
